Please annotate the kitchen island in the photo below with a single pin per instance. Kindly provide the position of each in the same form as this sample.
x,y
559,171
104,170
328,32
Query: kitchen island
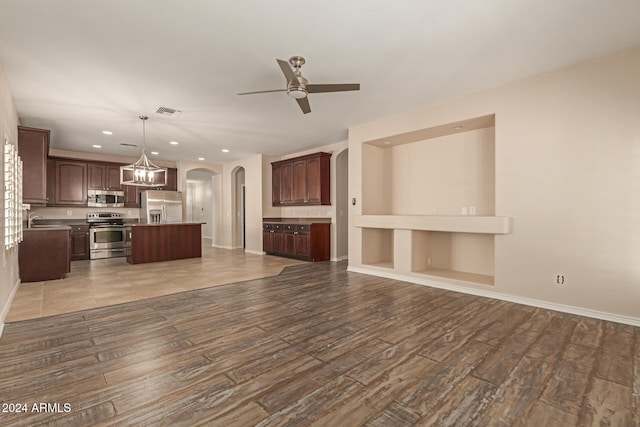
x,y
163,242
44,253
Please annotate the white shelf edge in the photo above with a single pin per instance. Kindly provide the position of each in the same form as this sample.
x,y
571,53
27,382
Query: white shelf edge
x,y
452,224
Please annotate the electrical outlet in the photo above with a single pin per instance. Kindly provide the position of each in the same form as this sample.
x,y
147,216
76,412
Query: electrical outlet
x,y
472,210
463,210
561,279
429,261
69,213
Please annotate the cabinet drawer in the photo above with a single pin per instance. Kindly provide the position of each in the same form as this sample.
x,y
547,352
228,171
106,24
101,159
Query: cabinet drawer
x,y
277,227
79,228
267,227
306,228
288,227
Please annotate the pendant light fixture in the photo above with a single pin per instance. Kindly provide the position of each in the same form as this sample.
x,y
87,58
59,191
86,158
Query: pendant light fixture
x,y
143,172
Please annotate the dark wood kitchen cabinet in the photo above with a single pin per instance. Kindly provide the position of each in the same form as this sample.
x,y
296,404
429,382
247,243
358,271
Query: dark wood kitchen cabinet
x,y
302,181
306,241
103,176
79,242
33,148
70,182
44,254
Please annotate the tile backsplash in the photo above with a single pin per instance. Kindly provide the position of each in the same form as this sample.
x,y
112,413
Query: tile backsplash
x,y
70,212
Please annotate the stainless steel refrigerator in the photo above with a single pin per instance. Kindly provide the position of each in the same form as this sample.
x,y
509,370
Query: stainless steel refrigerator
x,y
161,207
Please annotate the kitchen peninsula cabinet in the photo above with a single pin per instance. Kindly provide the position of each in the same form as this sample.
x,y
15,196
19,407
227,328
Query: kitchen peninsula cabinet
x,y
305,239
33,148
44,254
302,181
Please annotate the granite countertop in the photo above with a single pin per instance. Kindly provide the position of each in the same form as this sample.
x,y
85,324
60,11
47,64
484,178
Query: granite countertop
x,y
299,221
49,227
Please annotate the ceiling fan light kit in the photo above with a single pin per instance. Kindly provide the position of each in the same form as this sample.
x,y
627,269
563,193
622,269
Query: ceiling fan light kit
x,y
298,87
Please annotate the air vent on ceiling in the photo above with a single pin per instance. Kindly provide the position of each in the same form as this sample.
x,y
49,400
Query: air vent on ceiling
x,y
165,111
124,144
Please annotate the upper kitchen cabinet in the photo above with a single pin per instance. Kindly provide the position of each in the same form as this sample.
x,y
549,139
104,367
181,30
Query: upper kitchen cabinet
x,y
103,176
172,180
302,181
70,186
33,147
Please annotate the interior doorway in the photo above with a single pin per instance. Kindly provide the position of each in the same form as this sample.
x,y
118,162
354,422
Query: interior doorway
x,y
342,205
201,203
239,218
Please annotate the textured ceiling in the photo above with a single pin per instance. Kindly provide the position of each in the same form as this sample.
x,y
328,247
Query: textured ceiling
x,y
78,67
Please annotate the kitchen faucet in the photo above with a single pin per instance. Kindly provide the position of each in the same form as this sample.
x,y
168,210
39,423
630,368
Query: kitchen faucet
x,y
31,217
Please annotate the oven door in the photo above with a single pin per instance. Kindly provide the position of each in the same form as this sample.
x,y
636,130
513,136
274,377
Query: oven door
x,y
106,241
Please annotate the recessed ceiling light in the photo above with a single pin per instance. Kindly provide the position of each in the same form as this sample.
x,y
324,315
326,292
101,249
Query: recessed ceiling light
x,y
173,142
387,142
200,158
96,146
458,128
155,153
107,132
224,150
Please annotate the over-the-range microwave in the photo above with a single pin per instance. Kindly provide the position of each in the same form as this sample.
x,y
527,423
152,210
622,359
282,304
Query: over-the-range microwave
x,y
105,198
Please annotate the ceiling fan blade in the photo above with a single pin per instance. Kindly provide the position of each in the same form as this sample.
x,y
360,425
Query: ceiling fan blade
x,y
288,72
304,105
263,91
333,88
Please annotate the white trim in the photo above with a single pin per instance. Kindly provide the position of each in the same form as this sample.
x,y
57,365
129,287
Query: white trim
x,y
340,258
611,317
249,251
7,306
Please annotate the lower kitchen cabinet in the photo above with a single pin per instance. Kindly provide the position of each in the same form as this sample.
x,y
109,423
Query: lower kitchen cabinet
x,y
79,242
307,241
43,254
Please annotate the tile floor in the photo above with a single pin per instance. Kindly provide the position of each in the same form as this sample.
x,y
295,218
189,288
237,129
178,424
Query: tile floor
x,y
100,283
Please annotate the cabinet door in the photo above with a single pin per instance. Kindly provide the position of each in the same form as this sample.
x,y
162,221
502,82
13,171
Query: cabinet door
x,y
302,247
172,180
33,148
314,188
267,241
300,182
71,182
289,243
112,177
131,192
79,242
96,176
286,185
276,183
278,242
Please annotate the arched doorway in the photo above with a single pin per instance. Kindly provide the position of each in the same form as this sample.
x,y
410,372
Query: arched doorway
x,y
342,205
238,203
203,200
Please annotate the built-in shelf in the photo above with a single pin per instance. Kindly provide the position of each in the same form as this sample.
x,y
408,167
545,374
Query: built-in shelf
x,y
452,224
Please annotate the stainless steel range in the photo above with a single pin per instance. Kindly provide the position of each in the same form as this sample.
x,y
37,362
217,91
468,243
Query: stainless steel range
x,y
106,235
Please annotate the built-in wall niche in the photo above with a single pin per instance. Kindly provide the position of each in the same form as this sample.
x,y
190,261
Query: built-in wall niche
x,y
444,170
468,257
377,247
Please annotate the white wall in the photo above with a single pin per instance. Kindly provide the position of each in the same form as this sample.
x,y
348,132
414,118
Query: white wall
x,y
9,277
567,170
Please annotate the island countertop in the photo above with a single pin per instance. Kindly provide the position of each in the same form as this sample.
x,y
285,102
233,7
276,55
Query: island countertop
x,y
165,224
298,221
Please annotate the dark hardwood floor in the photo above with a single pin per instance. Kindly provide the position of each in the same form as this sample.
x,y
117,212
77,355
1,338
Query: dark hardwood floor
x,y
319,346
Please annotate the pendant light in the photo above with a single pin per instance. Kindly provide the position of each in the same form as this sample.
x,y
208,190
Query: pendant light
x,y
143,172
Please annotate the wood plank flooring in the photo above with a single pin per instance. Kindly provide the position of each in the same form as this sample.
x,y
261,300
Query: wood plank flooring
x,y
318,346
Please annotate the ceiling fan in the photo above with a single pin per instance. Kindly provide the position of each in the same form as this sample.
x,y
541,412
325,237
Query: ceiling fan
x,y
298,87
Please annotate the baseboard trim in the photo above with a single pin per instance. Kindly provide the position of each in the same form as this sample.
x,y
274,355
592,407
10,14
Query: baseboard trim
x,y
340,258
249,251
7,306
601,315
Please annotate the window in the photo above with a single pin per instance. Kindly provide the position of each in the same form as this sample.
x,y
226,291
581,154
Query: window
x,y
12,196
